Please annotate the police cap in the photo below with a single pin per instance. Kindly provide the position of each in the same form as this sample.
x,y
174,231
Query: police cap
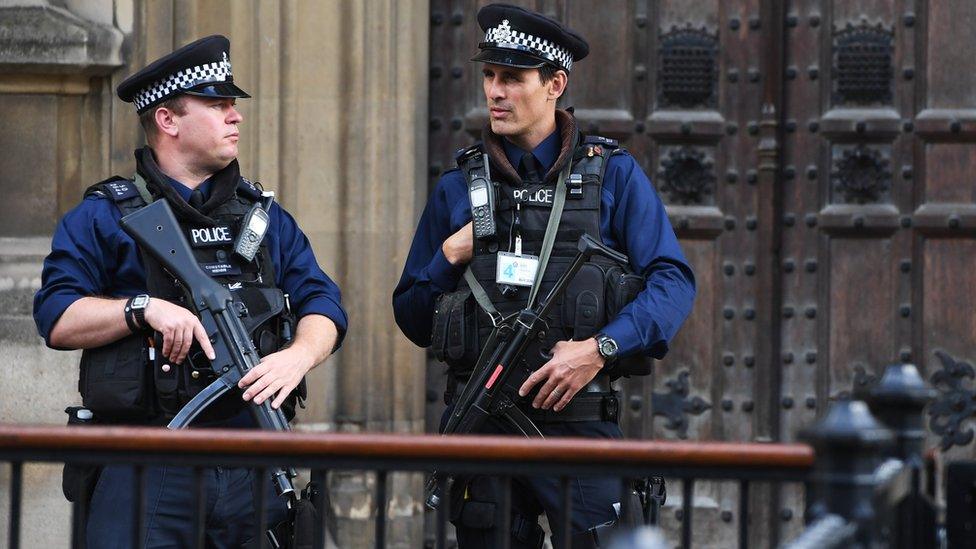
x,y
520,38
199,68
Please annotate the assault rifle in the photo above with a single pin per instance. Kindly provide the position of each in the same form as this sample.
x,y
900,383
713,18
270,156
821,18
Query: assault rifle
x,y
492,389
156,231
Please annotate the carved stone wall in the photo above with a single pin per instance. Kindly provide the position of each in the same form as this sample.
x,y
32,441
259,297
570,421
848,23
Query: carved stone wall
x,y
337,126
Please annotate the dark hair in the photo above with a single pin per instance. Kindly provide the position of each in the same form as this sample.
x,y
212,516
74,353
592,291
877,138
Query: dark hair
x,y
148,119
547,72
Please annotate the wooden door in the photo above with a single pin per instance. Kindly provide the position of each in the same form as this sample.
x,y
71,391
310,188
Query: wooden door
x,y
816,160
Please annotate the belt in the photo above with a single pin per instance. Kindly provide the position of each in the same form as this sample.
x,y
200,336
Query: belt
x,y
585,406
597,401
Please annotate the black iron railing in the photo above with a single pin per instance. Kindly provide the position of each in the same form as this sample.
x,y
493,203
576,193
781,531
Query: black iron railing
x,y
506,457
868,487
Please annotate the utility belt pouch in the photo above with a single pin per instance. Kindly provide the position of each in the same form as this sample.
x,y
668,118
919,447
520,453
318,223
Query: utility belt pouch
x,y
78,479
115,383
454,339
166,378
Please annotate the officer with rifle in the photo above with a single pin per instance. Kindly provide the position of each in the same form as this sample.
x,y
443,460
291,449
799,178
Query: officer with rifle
x,y
272,316
533,203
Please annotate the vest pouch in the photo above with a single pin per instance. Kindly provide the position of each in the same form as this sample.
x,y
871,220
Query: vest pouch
x,y
622,288
454,336
115,382
584,304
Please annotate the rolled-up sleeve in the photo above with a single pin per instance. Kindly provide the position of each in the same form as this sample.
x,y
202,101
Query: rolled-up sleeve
x,y
299,275
77,265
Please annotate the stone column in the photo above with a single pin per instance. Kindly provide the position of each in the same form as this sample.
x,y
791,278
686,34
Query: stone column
x,y
353,157
52,62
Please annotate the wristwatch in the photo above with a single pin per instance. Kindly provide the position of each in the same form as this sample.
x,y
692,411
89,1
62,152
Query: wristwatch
x,y
135,312
607,347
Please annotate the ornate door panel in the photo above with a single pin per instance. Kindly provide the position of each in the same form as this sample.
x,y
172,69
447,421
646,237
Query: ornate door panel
x,y
877,197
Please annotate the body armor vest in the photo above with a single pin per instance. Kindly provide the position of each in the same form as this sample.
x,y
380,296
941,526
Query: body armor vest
x,y
252,283
595,295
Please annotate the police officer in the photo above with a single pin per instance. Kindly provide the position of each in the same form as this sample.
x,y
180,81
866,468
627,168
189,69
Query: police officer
x,y
610,321
145,354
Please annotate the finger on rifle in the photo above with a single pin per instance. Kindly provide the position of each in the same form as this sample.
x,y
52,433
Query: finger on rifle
x,y
167,343
177,337
533,380
204,340
269,390
253,375
187,343
255,386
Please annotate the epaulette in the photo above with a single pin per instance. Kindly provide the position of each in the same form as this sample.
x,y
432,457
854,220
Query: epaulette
x,y
116,188
595,145
248,189
466,152
600,140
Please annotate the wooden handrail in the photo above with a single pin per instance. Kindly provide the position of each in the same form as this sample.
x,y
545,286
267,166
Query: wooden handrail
x,y
223,442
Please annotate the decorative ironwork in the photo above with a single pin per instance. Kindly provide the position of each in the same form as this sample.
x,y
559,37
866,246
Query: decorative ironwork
x,y
956,402
862,64
675,404
861,174
687,176
861,386
687,68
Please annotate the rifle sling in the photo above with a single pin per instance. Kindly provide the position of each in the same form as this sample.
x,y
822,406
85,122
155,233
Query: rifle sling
x,y
558,201
140,185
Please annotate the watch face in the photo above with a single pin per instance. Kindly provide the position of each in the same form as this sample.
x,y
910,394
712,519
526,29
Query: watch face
x,y
140,301
608,347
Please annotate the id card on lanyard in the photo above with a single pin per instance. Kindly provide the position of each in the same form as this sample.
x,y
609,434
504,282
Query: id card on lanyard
x,y
516,269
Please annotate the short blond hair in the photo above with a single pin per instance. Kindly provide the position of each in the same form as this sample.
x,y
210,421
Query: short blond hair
x,y
148,119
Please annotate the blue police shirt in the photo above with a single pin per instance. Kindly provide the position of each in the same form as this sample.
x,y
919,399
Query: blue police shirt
x,y
632,220
92,256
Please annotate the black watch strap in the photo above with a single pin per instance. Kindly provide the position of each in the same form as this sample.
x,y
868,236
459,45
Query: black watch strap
x,y
130,317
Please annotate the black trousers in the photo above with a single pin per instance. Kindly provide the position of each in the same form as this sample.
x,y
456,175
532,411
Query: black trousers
x,y
475,499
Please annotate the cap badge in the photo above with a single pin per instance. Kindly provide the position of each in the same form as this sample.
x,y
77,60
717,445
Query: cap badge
x,y
503,32
226,64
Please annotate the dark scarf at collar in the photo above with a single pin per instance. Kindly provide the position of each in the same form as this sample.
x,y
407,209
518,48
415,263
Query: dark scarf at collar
x,y
503,169
222,188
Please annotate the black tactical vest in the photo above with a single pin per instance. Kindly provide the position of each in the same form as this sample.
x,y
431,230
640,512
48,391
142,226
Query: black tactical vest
x,y
596,294
262,305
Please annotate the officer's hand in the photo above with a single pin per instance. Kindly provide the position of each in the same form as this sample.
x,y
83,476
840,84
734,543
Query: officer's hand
x,y
179,327
278,373
459,247
572,366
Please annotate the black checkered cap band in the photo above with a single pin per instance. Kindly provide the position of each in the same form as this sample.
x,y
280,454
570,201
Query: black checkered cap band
x,y
504,36
183,80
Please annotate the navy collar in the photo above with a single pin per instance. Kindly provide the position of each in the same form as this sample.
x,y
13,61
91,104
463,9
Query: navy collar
x,y
185,191
545,152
